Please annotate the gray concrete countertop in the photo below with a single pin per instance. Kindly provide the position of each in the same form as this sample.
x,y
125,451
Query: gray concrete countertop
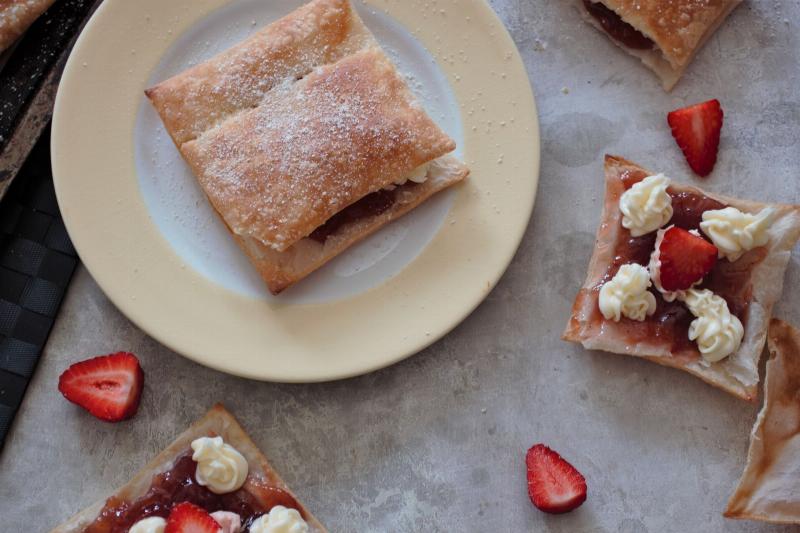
x,y
436,443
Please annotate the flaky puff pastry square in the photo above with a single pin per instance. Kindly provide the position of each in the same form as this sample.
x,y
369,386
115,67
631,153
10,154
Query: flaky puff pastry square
x,y
678,30
217,422
297,124
757,279
769,489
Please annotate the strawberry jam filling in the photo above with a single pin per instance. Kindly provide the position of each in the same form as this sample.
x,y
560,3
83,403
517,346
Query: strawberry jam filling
x,y
670,322
617,28
180,485
371,205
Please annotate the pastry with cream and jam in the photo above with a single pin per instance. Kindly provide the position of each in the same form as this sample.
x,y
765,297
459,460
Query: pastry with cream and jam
x,y
212,478
684,277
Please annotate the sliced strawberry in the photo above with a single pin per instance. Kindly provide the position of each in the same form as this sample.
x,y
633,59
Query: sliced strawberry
x,y
554,485
696,129
108,386
685,259
189,518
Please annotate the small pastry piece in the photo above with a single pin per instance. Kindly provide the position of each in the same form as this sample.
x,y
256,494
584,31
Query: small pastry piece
x,y
748,286
170,480
769,489
664,35
16,16
305,139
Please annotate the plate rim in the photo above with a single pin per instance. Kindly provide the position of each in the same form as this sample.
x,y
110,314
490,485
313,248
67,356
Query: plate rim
x,y
88,240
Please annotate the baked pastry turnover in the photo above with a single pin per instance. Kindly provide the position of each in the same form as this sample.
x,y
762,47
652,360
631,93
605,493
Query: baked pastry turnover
x,y
664,34
770,486
305,139
745,285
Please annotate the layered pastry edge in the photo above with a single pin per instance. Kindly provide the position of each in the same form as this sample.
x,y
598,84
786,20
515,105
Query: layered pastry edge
x,y
684,42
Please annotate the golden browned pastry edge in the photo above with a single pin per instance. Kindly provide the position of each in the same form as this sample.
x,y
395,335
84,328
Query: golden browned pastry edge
x,y
280,270
678,38
217,421
769,489
767,280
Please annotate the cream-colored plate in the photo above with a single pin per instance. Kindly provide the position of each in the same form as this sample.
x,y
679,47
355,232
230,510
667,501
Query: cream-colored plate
x,y
143,229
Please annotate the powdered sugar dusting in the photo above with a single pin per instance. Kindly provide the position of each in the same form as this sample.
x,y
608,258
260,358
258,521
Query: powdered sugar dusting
x,y
314,146
677,25
198,235
237,79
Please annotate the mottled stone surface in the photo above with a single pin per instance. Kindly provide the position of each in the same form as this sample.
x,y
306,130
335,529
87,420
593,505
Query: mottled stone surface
x,y
436,443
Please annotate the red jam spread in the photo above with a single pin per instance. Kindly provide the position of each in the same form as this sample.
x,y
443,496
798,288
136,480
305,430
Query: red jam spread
x,y
671,320
616,27
371,205
179,485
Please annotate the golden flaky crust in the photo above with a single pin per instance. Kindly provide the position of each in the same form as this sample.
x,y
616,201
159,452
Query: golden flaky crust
x,y
282,269
16,16
237,79
679,28
738,373
294,125
769,489
313,147
218,421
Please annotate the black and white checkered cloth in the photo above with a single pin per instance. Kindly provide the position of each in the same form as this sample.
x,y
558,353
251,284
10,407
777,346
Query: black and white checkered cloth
x,y
36,263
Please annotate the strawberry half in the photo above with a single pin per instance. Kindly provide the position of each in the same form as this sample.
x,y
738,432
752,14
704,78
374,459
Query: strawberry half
x,y
685,259
189,518
696,129
108,386
554,485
